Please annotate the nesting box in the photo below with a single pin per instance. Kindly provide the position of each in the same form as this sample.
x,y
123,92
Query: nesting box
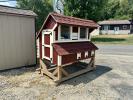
x,y
65,40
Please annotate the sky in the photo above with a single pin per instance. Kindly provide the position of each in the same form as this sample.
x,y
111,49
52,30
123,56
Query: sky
x,y
9,3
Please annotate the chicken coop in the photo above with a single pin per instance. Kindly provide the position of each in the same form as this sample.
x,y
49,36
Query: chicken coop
x,y
64,42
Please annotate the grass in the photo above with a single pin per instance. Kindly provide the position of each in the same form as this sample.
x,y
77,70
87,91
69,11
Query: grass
x,y
113,39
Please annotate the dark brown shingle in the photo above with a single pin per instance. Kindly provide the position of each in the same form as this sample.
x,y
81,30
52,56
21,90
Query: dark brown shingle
x,y
75,47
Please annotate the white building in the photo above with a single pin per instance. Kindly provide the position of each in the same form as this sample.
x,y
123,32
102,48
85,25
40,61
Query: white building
x,y
116,27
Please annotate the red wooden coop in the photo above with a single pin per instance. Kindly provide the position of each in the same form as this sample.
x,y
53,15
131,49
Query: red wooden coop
x,y
64,41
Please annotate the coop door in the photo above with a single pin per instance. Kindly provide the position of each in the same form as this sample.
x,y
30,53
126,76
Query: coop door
x,y
46,44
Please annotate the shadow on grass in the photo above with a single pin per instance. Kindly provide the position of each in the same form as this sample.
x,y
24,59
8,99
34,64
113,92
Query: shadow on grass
x,y
89,76
96,39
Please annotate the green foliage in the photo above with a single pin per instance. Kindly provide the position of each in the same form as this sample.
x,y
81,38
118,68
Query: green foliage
x,y
111,39
88,9
100,9
40,7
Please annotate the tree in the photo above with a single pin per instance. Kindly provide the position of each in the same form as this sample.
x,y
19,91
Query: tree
x,y
100,9
118,9
88,9
40,7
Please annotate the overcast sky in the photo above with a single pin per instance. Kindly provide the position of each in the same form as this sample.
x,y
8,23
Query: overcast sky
x,y
10,3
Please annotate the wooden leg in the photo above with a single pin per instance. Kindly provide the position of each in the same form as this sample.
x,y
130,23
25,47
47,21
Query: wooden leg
x,y
93,64
64,72
59,72
45,71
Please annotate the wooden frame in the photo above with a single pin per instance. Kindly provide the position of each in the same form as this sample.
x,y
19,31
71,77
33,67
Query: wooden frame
x,y
59,74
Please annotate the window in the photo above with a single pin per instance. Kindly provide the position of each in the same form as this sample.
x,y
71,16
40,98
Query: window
x,y
65,32
75,29
83,33
106,27
75,33
124,27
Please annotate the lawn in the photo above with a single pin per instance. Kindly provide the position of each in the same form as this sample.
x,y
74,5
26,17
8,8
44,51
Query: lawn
x,y
113,39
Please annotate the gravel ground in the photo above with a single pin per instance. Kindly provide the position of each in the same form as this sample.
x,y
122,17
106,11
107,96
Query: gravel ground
x,y
112,80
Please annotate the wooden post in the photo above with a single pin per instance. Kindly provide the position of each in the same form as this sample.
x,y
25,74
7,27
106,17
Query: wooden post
x,y
59,72
93,64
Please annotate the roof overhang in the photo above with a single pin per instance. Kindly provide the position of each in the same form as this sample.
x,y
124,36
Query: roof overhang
x,y
74,47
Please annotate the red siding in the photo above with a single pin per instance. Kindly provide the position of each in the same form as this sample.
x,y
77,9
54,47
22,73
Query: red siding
x,y
69,58
47,39
50,23
56,33
89,53
40,46
73,57
55,57
82,55
47,51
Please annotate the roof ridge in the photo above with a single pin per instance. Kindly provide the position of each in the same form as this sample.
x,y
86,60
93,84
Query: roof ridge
x,y
18,11
54,13
15,8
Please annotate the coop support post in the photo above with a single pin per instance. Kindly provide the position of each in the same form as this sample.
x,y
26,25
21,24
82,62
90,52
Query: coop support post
x,y
93,64
59,72
59,75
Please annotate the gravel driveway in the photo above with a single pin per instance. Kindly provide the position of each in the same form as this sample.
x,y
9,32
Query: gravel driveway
x,y
112,80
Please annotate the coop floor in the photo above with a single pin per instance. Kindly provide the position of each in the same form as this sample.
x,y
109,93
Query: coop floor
x,y
112,80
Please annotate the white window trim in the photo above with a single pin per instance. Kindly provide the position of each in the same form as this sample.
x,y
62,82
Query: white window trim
x,y
73,33
59,34
85,34
70,40
43,45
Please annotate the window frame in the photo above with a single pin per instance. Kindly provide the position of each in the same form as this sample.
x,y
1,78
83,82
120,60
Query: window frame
x,y
77,32
60,37
86,33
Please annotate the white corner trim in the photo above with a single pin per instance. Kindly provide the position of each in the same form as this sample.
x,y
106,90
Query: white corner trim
x,y
59,32
42,45
59,60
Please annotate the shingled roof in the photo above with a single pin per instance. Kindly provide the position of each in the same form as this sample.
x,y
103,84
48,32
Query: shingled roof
x,y
13,10
73,20
69,20
114,22
74,47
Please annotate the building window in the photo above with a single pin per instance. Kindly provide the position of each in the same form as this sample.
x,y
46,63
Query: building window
x,y
75,33
124,27
106,27
65,32
83,33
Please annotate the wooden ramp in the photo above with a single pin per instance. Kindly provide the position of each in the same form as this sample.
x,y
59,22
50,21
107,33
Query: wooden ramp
x,y
62,73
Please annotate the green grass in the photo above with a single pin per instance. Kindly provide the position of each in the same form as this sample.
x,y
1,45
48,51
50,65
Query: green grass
x,y
113,39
